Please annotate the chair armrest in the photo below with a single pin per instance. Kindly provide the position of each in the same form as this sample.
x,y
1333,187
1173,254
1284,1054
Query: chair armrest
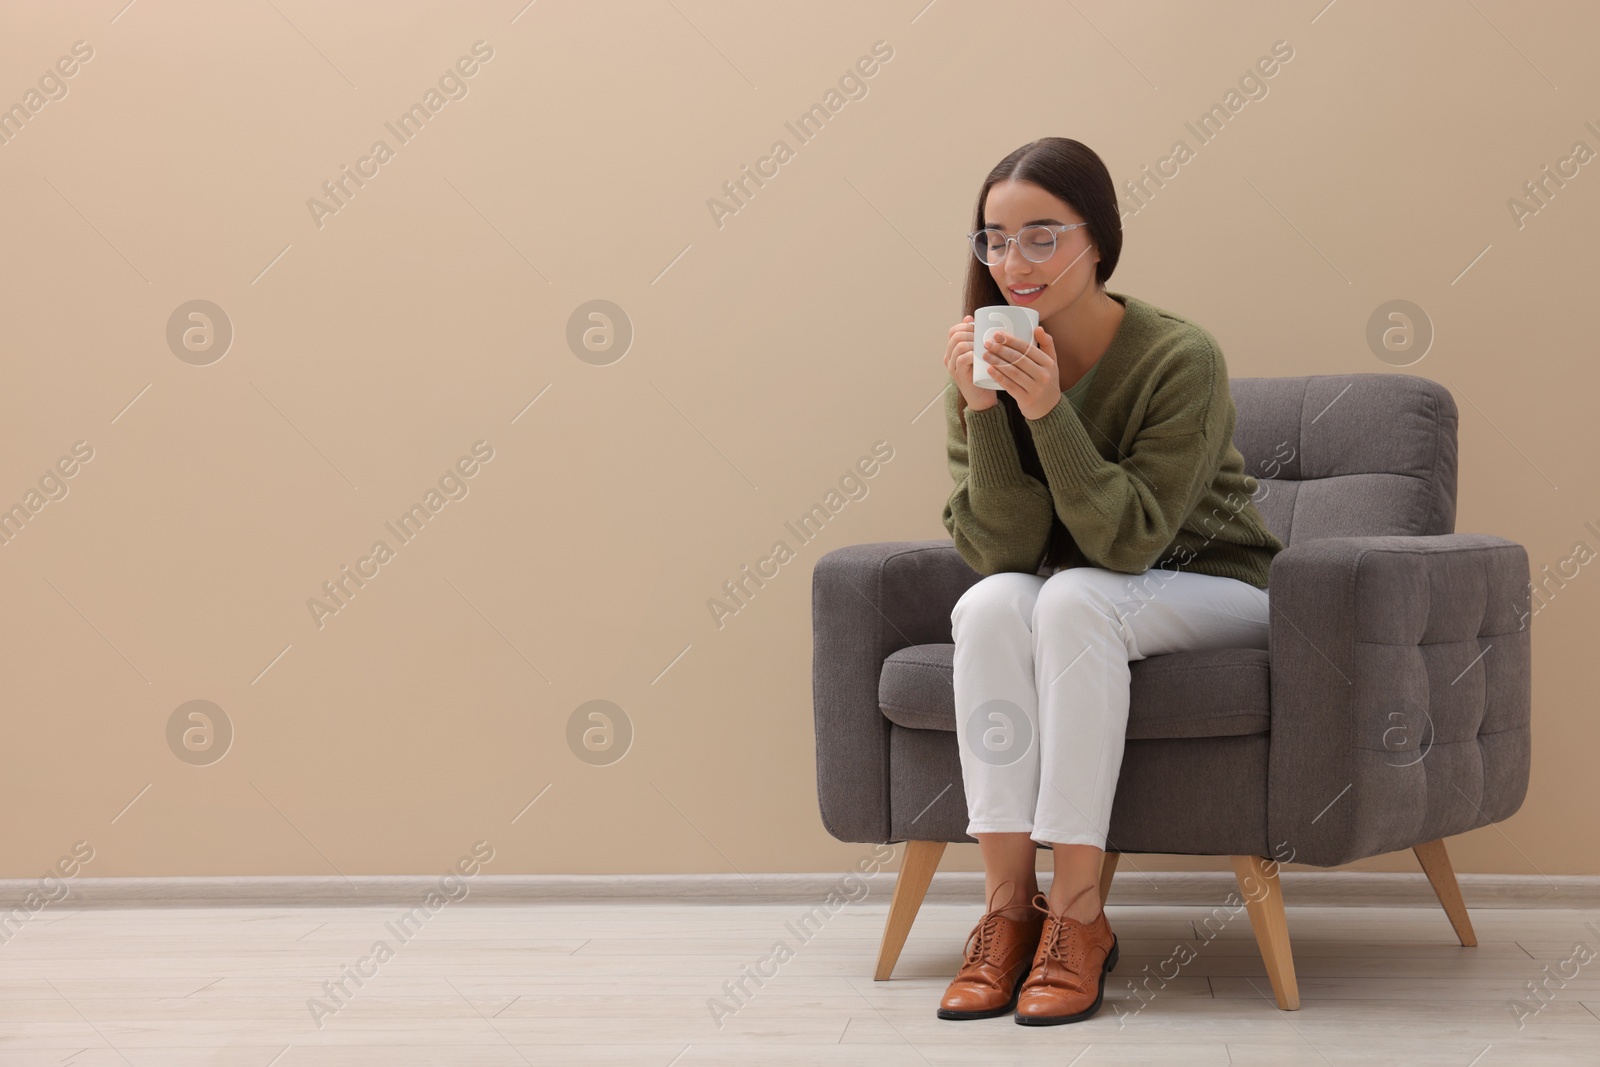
x,y
868,601
1401,673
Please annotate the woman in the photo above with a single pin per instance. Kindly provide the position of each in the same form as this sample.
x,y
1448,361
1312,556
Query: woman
x,y
1100,493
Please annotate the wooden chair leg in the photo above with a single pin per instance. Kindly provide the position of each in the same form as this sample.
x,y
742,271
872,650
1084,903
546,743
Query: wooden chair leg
x,y
917,864
1107,869
1436,865
1263,896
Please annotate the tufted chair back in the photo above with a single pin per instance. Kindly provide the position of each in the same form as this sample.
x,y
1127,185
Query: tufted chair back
x,y
1349,455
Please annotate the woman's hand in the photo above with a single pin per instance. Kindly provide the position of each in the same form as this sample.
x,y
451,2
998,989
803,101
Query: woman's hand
x,y
958,361
1027,371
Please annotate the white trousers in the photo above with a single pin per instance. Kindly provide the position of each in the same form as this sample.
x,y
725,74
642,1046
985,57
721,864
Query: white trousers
x,y
1041,684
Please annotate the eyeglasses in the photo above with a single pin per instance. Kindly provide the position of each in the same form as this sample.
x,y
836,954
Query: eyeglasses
x,y
1037,243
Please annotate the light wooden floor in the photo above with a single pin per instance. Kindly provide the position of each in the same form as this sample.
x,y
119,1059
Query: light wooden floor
x,y
629,984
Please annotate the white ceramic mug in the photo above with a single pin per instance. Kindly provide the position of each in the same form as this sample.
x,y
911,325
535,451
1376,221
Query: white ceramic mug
x,y
1019,322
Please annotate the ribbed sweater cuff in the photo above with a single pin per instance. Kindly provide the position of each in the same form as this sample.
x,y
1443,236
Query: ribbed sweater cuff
x,y
1068,456
992,456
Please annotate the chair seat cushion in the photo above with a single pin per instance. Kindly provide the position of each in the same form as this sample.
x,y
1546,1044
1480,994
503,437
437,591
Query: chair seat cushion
x,y
1214,693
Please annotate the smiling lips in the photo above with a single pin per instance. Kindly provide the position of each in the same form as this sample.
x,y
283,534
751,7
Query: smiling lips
x,y
1027,294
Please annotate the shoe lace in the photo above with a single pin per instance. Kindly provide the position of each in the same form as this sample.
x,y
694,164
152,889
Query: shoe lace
x,y
983,944
1061,943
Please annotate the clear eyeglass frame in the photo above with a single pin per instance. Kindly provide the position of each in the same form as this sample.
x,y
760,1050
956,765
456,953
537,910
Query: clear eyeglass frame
x,y
981,250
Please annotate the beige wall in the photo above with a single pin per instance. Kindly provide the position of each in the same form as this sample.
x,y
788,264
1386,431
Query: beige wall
x,y
374,345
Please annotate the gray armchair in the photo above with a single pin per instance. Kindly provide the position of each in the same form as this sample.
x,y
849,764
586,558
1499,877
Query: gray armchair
x,y
1390,710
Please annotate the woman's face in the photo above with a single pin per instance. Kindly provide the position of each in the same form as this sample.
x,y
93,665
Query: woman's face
x,y
1069,272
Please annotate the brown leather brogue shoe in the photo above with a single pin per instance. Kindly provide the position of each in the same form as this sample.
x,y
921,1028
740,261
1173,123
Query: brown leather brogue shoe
x,y
1068,979
997,954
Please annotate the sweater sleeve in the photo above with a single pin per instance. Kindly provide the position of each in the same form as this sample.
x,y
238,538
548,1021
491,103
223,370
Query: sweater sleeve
x,y
998,515
1124,514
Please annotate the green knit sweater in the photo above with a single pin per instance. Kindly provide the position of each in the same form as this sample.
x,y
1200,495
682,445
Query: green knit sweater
x,y
1145,476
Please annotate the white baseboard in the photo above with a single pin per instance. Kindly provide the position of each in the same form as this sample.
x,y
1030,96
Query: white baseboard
x,y
1204,888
